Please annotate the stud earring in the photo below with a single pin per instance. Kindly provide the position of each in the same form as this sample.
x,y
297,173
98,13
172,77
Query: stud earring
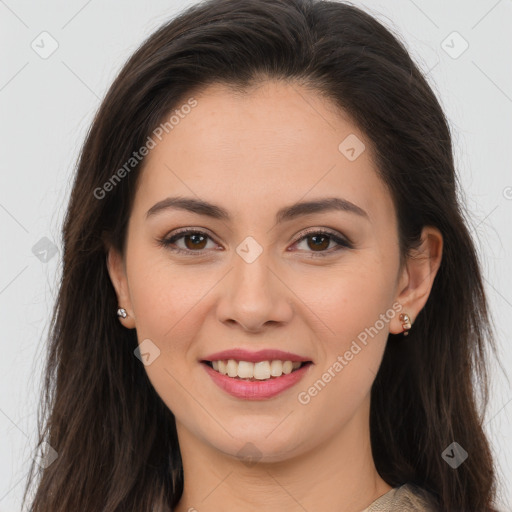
x,y
406,323
121,312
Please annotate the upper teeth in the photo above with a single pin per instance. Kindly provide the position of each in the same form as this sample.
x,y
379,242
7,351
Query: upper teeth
x,y
260,370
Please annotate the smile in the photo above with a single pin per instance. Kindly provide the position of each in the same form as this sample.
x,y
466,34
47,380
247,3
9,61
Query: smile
x,y
255,381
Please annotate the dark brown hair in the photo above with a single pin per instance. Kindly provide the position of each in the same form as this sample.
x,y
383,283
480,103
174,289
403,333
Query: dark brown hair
x,y
115,438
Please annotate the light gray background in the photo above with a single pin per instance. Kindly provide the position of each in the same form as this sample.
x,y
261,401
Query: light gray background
x,y
48,103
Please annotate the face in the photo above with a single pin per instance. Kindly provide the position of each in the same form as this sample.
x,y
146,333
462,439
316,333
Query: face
x,y
323,284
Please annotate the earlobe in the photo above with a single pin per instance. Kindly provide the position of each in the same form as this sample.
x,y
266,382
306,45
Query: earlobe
x,y
418,277
117,273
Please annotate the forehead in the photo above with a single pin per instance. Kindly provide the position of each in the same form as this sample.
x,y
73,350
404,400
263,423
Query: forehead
x,y
275,143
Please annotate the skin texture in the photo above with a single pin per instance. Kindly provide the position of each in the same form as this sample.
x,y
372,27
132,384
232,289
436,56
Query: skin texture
x,y
253,154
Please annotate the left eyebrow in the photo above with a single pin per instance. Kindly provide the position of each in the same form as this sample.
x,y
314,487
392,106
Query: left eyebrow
x,y
287,213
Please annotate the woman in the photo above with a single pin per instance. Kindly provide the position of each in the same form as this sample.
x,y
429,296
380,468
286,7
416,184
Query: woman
x,y
270,296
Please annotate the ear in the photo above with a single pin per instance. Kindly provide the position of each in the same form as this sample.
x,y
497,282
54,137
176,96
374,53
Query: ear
x,y
117,271
417,277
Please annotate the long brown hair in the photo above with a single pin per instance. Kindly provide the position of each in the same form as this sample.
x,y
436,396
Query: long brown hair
x,y
115,438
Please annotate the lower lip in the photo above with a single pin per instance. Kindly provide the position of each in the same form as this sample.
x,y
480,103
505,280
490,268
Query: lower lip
x,y
256,390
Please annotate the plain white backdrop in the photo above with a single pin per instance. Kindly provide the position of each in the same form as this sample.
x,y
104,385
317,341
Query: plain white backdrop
x,y
58,60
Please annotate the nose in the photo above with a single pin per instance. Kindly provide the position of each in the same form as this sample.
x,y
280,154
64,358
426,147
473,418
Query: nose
x,y
255,296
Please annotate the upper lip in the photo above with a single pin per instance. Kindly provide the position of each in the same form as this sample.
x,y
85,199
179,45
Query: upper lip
x,y
240,354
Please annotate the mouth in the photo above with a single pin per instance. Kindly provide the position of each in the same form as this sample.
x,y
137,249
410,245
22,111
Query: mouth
x,y
255,372
260,380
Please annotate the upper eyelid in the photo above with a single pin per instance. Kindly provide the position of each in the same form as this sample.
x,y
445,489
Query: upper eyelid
x,y
312,231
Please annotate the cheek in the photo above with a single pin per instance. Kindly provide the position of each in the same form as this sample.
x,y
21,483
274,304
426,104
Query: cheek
x,y
351,354
164,295
355,313
353,301
167,302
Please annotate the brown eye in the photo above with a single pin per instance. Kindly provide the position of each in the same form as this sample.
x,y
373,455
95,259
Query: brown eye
x,y
319,241
194,241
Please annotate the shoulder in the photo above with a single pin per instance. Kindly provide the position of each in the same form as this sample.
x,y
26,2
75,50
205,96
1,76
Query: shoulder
x,y
416,498
407,497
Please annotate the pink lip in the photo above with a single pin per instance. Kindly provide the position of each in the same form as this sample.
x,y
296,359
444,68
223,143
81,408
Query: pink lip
x,y
239,354
256,390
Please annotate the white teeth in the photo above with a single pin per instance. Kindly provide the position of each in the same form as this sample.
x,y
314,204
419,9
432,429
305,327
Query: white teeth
x,y
276,368
287,367
232,368
261,370
245,369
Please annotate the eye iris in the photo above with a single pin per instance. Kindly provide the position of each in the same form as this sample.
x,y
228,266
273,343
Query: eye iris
x,y
195,245
321,245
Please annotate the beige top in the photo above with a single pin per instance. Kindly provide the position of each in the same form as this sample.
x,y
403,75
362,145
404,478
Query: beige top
x,y
405,498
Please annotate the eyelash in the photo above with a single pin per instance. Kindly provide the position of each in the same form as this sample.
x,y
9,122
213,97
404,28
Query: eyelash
x,y
342,243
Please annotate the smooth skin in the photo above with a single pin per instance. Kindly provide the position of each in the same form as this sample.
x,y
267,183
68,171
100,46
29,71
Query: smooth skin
x,y
253,154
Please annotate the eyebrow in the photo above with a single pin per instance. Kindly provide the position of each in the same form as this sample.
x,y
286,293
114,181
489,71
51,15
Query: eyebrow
x,y
287,213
